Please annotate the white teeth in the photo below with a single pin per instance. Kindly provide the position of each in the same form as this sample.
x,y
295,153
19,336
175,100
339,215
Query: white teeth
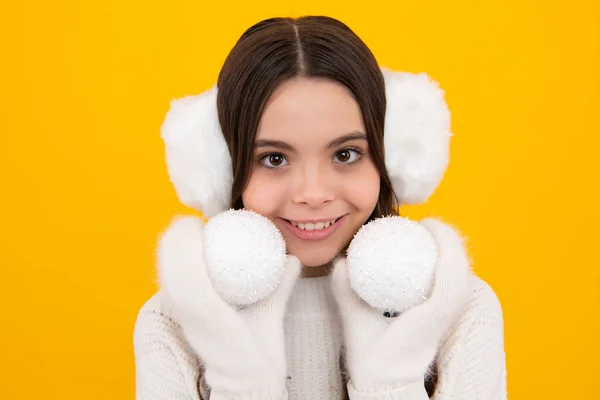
x,y
309,226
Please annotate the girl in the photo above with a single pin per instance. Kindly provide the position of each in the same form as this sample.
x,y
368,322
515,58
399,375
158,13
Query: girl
x,y
295,134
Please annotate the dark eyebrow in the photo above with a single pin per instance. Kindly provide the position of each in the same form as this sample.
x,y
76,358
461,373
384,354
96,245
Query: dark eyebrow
x,y
273,143
334,143
346,138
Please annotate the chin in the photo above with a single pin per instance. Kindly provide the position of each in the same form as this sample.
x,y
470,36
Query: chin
x,y
314,260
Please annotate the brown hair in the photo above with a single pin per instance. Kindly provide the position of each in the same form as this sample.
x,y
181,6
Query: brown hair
x,y
277,49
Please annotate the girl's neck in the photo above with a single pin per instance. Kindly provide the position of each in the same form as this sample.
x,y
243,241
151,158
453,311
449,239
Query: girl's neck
x,y
313,272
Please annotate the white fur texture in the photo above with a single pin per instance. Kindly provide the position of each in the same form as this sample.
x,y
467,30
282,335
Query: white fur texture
x,y
197,157
392,355
417,138
245,256
180,261
417,135
391,263
242,351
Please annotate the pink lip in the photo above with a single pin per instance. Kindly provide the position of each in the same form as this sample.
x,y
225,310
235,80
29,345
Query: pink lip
x,y
313,235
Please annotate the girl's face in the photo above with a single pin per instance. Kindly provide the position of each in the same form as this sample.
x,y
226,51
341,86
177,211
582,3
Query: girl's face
x,y
312,174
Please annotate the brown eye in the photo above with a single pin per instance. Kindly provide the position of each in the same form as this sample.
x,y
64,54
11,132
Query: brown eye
x,y
347,156
343,156
274,160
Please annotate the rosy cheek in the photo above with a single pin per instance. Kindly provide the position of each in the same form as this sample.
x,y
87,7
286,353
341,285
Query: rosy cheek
x,y
263,195
363,191
372,187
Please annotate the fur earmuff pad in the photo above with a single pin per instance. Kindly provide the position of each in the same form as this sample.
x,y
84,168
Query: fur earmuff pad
x,y
198,160
417,135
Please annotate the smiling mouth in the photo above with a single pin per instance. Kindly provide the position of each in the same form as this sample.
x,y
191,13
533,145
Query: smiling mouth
x,y
313,226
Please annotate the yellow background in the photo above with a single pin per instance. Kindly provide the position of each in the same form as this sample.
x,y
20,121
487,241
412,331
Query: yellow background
x,y
84,88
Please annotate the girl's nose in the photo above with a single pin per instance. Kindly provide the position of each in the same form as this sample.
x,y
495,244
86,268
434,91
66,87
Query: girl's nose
x,y
313,187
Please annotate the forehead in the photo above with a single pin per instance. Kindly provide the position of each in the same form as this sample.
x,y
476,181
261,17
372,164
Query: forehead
x,y
309,109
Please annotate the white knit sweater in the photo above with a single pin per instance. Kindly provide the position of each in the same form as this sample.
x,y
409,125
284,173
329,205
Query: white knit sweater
x,y
470,362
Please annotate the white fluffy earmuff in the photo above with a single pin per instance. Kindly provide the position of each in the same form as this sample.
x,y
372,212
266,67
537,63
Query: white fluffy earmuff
x,y
416,138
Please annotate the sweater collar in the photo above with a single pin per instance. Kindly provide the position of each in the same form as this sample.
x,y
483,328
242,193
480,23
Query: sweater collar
x,y
312,296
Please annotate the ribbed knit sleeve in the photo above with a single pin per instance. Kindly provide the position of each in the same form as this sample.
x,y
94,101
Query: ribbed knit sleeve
x,y
166,366
472,362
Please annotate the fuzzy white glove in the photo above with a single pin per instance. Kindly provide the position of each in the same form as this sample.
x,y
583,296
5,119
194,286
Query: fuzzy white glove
x,y
389,358
242,351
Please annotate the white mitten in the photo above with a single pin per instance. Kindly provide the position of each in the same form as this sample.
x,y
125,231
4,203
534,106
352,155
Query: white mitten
x,y
389,358
242,351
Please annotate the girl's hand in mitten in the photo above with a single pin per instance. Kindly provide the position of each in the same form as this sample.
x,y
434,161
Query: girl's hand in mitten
x,y
241,345
390,338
